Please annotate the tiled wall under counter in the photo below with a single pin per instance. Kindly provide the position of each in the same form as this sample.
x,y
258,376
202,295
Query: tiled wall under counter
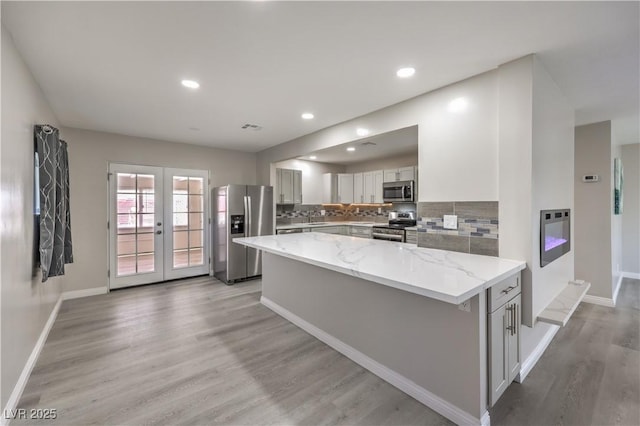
x,y
478,226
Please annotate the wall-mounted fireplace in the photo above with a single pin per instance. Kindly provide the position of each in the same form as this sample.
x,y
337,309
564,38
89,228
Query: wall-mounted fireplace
x,y
555,234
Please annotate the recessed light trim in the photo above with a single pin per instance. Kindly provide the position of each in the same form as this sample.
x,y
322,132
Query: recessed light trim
x,y
406,72
307,116
191,84
351,149
361,131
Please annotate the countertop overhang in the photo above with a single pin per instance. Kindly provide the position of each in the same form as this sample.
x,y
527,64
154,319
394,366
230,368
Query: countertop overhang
x,y
447,276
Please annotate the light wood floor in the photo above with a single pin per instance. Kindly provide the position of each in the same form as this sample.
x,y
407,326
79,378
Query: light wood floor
x,y
199,352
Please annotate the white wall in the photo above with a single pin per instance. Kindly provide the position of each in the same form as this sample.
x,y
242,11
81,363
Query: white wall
x,y
535,173
384,163
631,211
594,207
89,156
312,172
26,302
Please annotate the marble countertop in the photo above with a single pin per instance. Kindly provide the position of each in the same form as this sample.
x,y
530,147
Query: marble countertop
x,y
325,224
439,274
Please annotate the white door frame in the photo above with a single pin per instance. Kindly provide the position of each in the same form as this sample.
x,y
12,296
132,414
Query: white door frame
x,y
163,241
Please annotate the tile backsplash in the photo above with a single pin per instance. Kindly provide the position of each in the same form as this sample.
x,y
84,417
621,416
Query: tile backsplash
x,y
478,226
286,214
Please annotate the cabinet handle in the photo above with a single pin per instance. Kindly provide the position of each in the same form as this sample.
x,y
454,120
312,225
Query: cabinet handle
x,y
510,326
508,289
516,319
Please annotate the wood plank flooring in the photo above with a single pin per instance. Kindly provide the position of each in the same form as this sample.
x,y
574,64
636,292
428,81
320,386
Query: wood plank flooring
x,y
589,374
198,352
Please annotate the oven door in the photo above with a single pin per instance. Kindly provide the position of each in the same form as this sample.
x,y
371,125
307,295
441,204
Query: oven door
x,y
397,191
387,237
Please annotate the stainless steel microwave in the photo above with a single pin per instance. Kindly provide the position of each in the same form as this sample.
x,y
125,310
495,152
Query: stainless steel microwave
x,y
398,191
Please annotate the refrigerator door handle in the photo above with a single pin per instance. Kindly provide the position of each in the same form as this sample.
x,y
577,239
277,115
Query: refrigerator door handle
x,y
248,213
246,217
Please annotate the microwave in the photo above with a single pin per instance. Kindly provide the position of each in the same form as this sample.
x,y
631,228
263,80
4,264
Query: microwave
x,y
398,191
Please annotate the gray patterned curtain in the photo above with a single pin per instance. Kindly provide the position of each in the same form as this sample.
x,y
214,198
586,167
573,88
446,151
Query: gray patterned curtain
x,y
55,219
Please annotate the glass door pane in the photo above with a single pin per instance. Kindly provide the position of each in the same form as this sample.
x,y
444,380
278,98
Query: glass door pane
x,y
136,213
188,199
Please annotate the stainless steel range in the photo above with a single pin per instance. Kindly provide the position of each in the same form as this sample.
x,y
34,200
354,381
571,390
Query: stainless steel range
x,y
395,229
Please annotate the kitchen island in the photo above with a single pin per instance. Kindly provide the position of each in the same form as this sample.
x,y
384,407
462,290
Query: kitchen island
x,y
416,317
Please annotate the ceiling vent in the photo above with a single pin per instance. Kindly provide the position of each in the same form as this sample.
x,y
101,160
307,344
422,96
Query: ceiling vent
x,y
368,143
253,127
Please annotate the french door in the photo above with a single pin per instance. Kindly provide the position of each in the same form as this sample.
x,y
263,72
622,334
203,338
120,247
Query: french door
x,y
158,224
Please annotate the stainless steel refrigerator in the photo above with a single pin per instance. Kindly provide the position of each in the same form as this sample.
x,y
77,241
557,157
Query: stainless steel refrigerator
x,y
239,211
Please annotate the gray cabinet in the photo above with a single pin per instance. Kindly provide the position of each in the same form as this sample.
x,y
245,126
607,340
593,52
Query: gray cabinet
x,y
411,236
345,188
503,335
360,231
288,186
401,173
340,229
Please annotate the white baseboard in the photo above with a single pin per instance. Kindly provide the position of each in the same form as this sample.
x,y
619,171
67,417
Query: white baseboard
x,y
429,399
76,294
617,289
14,398
532,360
597,300
632,275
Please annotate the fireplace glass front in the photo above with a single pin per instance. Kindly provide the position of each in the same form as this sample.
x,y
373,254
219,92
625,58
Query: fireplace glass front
x,y
555,234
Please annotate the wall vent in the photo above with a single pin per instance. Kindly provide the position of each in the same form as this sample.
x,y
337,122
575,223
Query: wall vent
x,y
250,126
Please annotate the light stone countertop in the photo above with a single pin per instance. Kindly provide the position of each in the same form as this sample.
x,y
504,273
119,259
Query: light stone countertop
x,y
439,274
325,224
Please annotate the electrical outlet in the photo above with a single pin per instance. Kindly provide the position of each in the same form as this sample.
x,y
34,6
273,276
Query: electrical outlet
x,y
322,212
357,209
465,306
450,221
379,210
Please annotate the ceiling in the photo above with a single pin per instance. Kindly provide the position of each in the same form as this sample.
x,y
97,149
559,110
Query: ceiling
x,y
117,66
384,145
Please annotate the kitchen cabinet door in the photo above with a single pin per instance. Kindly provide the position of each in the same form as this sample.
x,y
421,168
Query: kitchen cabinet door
x,y
406,173
504,347
345,188
297,186
358,188
391,175
329,188
498,353
367,187
378,179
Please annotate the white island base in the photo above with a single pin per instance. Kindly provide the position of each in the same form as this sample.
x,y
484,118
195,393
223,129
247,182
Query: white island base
x,y
427,348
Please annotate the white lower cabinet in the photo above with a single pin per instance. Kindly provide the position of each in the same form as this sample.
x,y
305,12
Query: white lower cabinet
x,y
503,339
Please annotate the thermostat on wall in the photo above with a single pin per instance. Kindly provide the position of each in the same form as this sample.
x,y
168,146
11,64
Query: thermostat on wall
x,y
590,178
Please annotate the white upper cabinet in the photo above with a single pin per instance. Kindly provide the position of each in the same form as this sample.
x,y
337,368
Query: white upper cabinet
x,y
345,188
372,186
288,186
401,173
359,189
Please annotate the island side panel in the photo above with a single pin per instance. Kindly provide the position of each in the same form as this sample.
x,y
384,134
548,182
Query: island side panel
x,y
434,344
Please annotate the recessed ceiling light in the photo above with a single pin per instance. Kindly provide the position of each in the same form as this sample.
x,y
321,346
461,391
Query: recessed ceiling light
x,y
191,84
405,72
362,132
351,149
312,157
307,116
